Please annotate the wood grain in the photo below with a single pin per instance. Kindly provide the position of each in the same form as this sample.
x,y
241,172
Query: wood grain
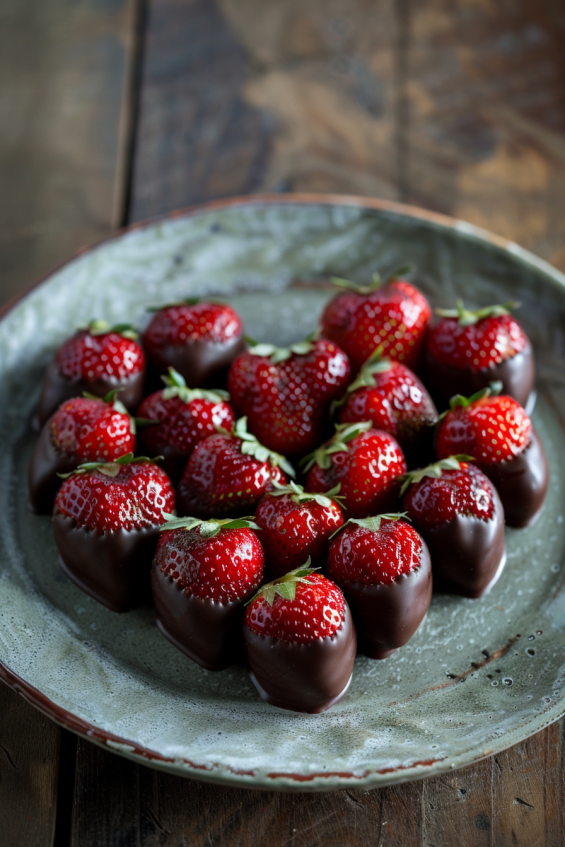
x,y
29,759
62,66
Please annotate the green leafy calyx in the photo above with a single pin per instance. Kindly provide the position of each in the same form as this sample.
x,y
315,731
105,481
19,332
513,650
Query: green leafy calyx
x,y
374,523
103,328
281,354
298,495
468,317
110,468
375,364
453,463
458,401
177,387
344,433
206,529
284,586
378,280
251,447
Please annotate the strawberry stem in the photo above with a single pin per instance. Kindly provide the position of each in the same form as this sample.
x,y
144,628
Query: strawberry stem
x,y
110,468
97,327
375,364
453,463
378,280
251,447
374,523
284,586
344,433
177,387
206,529
298,495
469,317
281,354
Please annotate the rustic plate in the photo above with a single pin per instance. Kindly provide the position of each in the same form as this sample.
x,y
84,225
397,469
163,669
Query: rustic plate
x,y
479,676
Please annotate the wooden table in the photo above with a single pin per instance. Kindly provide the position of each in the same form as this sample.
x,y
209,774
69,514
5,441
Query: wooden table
x,y
116,110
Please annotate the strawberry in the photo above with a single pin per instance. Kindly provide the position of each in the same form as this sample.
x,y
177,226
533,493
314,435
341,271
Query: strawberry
x,y
202,573
383,567
197,339
499,435
228,474
97,359
287,393
184,416
300,641
458,511
363,318
365,462
392,397
83,429
106,521
296,525
466,351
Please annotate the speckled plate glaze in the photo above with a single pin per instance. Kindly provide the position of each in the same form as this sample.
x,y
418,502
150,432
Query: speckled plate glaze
x,y
479,675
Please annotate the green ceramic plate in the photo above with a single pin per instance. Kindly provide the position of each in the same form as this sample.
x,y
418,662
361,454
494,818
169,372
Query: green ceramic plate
x,y
479,675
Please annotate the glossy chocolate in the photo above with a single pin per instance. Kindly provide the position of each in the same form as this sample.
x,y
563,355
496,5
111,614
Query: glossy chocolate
x,y
522,483
46,462
517,375
207,631
57,388
112,567
302,677
467,553
202,363
387,616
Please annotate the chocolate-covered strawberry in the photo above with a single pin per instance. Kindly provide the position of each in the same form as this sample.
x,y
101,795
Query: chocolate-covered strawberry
x,y
286,393
383,567
364,462
392,397
97,359
393,315
199,340
457,510
202,573
300,642
106,523
499,435
467,350
228,473
184,417
83,429
296,525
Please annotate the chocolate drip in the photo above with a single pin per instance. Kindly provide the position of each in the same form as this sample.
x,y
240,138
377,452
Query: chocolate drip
x,y
387,616
46,462
522,483
302,677
467,552
207,631
517,375
112,567
57,388
203,364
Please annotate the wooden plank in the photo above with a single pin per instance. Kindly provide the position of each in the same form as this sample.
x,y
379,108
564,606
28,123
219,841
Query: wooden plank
x,y
62,66
247,95
106,799
458,808
486,125
29,757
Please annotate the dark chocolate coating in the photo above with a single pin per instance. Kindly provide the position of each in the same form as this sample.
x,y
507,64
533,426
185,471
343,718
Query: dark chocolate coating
x,y
203,363
302,677
112,567
467,552
46,462
173,461
517,375
387,616
207,631
522,483
57,388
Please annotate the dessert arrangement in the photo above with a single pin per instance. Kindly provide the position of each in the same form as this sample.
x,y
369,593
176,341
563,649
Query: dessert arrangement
x,y
301,503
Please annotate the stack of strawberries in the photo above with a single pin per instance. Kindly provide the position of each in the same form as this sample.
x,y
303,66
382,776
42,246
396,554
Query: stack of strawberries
x,y
298,516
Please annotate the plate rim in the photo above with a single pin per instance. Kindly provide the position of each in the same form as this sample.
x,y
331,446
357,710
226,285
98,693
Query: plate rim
x,y
316,782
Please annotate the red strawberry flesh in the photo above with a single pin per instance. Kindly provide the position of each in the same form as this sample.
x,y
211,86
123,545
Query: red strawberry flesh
x,y
317,611
134,499
491,430
91,430
433,502
226,567
93,357
481,345
182,425
183,323
362,555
